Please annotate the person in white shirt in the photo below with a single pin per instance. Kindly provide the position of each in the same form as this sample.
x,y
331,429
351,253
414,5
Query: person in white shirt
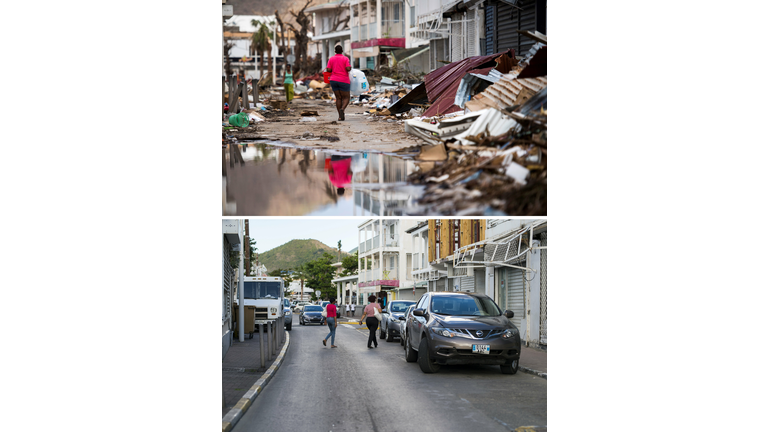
x,y
348,309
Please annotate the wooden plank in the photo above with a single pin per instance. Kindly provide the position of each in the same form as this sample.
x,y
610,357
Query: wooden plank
x,y
445,238
431,240
246,105
466,232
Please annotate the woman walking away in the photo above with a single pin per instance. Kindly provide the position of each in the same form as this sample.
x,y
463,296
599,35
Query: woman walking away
x,y
331,317
371,321
339,68
288,83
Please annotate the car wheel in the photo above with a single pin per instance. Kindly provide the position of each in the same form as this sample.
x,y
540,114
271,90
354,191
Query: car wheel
x,y
410,354
510,368
389,335
425,363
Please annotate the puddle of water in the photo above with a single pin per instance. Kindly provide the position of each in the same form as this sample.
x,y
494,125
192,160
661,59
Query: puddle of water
x,y
273,178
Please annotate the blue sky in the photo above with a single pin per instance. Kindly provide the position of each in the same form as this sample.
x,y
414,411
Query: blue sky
x,y
271,233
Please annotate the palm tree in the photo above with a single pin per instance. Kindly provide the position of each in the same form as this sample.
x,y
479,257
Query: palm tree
x,y
261,42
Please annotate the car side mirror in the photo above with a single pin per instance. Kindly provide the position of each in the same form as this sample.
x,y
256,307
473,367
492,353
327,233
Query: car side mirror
x,y
419,312
402,318
508,313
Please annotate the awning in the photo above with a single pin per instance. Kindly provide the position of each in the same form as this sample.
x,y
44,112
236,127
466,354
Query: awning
x,y
343,34
402,55
365,52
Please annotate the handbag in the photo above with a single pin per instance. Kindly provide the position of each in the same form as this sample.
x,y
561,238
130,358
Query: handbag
x,y
376,313
325,313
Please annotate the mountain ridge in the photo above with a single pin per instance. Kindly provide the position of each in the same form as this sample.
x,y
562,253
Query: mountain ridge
x,y
295,253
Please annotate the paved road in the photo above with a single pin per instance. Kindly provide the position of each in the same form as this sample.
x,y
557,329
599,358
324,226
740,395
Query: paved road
x,y
322,389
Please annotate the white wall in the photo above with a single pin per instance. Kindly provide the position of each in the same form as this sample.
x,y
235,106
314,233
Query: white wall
x,y
496,227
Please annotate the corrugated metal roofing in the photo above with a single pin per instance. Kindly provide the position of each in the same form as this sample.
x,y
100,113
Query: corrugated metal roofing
x,y
504,93
443,83
469,82
492,122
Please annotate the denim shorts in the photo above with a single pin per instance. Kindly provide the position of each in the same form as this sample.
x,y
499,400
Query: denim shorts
x,y
339,86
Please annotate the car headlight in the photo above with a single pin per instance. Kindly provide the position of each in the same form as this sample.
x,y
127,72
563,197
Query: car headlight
x,y
273,310
509,333
443,332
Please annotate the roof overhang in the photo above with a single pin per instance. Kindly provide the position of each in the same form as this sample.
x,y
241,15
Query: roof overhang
x,y
343,34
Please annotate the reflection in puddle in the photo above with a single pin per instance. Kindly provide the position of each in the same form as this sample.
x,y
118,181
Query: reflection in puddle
x,y
277,179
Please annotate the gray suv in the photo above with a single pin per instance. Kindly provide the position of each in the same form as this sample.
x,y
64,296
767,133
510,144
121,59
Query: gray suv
x,y
461,328
390,319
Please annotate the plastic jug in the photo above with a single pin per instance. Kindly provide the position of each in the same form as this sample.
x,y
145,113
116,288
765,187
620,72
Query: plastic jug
x,y
239,120
358,82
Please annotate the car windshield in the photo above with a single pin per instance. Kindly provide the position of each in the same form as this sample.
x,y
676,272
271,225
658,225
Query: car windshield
x,y
313,309
259,290
464,306
400,306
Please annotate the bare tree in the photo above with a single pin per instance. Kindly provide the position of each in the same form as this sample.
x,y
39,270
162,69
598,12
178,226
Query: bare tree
x,y
302,39
228,45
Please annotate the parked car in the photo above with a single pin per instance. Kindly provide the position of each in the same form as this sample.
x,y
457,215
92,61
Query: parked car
x,y
461,328
390,319
324,304
300,305
403,320
288,320
311,314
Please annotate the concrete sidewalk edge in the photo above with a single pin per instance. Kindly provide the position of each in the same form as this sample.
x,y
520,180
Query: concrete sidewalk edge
x,y
532,371
235,414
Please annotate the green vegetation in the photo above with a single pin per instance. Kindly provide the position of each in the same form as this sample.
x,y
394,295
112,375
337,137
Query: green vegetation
x,y
294,254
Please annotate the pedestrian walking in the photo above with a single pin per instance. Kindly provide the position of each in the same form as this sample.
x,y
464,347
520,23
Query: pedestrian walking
x,y
353,309
288,83
339,68
331,318
370,319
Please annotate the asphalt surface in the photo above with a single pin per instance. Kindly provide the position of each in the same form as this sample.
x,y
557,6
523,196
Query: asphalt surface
x,y
323,389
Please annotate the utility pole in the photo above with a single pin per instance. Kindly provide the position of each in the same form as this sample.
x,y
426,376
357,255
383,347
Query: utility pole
x,y
241,295
247,248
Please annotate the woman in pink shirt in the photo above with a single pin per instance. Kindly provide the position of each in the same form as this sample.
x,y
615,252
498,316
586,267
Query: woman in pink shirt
x,y
331,319
371,321
339,68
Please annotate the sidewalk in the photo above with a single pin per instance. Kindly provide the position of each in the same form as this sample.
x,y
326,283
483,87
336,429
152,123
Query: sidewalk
x,y
241,368
533,361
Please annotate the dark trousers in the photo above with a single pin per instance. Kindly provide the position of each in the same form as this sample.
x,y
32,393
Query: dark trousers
x,y
372,324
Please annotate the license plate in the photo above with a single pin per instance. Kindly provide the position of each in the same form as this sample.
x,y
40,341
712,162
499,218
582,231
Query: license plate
x,y
481,349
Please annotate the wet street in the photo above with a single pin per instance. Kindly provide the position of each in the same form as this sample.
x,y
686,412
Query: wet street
x,y
274,178
353,388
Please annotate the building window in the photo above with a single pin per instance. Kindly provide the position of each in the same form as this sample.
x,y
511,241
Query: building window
x,y
397,12
413,16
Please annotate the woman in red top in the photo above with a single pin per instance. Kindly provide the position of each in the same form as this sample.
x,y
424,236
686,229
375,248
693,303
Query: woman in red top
x,y
331,318
339,68
371,321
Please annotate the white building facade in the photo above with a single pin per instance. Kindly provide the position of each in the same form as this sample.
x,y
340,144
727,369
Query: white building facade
x,y
383,258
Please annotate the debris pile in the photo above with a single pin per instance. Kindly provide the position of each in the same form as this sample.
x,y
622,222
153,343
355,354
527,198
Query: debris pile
x,y
486,135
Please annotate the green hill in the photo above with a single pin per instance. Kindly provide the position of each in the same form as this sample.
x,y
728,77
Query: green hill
x,y
295,253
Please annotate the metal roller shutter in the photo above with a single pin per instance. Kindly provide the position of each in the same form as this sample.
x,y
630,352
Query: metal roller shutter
x,y
506,35
516,296
472,37
480,281
489,27
466,283
543,298
527,22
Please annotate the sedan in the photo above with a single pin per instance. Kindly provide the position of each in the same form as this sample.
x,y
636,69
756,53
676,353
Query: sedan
x,y
287,315
390,319
311,314
403,320
461,328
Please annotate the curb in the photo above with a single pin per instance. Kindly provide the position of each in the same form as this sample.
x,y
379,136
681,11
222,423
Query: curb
x,y
532,371
235,414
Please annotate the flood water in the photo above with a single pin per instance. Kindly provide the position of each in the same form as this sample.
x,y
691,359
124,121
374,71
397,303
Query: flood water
x,y
271,178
